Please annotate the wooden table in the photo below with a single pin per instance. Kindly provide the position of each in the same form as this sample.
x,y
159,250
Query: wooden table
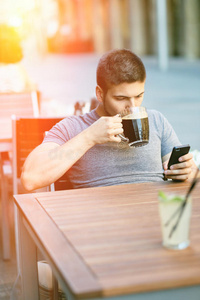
x,y
106,242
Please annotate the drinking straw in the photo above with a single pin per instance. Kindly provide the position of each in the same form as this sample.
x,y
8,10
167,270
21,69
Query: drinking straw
x,y
182,207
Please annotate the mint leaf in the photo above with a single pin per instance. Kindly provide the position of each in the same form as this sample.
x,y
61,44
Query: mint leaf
x,y
162,195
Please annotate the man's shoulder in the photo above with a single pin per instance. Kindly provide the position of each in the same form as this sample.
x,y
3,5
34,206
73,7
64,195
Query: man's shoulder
x,y
157,119
86,118
155,115
154,112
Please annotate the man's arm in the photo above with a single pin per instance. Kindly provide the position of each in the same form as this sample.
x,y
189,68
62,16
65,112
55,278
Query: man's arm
x,y
182,171
49,161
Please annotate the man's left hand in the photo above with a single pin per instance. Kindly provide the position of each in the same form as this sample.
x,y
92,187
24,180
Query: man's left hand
x,y
182,171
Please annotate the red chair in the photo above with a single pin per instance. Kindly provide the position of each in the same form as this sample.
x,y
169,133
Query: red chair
x,y
27,134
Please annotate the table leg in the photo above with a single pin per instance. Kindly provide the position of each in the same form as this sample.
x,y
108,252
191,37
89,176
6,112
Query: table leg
x,y
28,263
55,288
5,213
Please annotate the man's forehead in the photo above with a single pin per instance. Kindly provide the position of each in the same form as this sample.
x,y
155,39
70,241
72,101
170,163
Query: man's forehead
x,y
127,88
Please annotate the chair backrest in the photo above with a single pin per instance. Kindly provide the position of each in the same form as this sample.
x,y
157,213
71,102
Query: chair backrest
x,y
61,184
19,104
28,133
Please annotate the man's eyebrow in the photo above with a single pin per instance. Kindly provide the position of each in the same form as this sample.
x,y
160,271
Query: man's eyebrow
x,y
124,96
140,94
121,96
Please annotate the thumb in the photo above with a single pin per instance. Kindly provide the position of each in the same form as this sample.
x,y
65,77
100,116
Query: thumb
x,y
165,165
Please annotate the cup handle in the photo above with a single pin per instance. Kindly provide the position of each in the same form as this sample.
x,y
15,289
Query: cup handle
x,y
124,139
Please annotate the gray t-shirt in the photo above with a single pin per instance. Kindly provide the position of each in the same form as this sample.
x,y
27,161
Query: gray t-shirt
x,y
112,163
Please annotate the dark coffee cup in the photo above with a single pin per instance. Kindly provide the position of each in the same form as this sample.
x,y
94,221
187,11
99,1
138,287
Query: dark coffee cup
x,y
136,126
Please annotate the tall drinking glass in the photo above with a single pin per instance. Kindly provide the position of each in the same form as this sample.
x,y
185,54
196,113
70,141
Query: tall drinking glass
x,y
175,237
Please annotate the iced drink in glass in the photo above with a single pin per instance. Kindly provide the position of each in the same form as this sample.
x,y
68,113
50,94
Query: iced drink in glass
x,y
170,208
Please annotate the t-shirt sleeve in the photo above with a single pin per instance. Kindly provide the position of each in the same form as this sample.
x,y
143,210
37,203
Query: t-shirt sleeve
x,y
166,133
58,133
169,138
70,127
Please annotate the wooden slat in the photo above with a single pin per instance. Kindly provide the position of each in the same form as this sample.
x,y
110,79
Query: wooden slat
x,y
19,104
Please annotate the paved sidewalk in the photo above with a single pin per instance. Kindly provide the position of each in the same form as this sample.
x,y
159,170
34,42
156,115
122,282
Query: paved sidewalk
x,y
176,93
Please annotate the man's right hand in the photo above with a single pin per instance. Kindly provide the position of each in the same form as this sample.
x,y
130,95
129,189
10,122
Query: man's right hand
x,y
106,129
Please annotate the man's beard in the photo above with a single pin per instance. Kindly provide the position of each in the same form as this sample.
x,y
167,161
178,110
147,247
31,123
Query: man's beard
x,y
105,108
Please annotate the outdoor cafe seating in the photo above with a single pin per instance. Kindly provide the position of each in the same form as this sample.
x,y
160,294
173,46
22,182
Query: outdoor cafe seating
x,y
27,133
21,130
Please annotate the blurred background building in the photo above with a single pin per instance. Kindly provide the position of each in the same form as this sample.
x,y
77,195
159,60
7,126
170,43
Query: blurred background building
x,y
71,26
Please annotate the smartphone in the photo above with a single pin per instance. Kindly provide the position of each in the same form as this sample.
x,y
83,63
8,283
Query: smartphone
x,y
176,153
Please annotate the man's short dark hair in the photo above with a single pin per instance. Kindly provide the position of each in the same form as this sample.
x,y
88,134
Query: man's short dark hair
x,y
118,66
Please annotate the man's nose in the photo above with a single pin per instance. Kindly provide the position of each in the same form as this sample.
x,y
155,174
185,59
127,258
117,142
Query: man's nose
x,y
132,100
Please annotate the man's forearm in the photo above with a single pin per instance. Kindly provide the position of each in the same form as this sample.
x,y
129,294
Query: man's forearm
x,y
49,161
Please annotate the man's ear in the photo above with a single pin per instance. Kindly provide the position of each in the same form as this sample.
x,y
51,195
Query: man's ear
x,y
99,93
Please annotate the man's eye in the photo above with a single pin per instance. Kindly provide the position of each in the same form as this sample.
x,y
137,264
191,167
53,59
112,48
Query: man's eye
x,y
121,98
